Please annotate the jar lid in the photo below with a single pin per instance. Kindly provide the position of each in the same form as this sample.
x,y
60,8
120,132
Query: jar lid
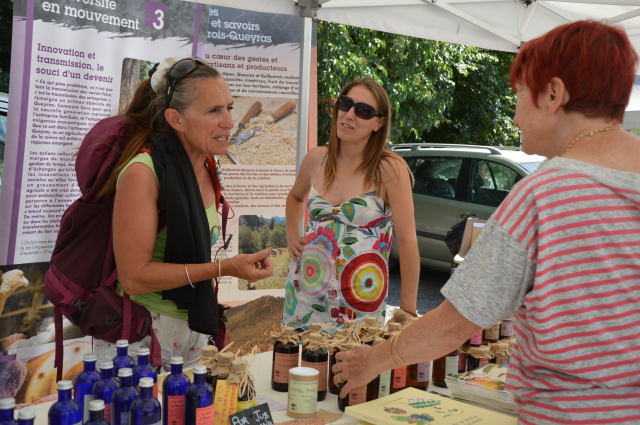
x,y
89,357
313,336
146,382
176,360
144,351
121,343
238,365
66,385
209,351
105,365
315,327
200,369
27,413
225,358
124,372
394,327
96,405
7,403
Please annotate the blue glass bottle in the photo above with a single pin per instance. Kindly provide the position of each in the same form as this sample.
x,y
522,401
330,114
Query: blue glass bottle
x,y
105,388
123,398
174,388
7,408
65,411
146,409
82,391
26,416
144,369
96,413
122,358
199,399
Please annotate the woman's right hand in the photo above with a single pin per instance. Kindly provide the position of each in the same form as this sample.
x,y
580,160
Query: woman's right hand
x,y
250,267
295,246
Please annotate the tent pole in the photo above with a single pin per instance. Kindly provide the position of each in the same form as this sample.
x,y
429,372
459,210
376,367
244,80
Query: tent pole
x,y
303,90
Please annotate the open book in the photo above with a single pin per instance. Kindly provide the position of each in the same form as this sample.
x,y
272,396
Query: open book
x,y
416,407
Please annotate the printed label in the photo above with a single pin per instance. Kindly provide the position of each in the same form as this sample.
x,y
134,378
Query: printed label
x,y
107,412
506,329
303,396
322,368
242,405
204,415
175,410
462,362
281,365
423,371
87,400
476,339
483,362
224,403
451,365
400,377
124,418
357,396
155,390
385,384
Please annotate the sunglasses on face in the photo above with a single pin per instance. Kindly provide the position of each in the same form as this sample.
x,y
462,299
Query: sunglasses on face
x,y
178,71
363,110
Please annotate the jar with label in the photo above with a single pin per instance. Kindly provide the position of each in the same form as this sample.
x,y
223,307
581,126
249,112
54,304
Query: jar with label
x,y
208,355
221,368
398,374
357,395
506,329
476,339
492,334
174,388
478,357
381,386
302,398
246,386
462,359
335,345
501,353
315,355
285,357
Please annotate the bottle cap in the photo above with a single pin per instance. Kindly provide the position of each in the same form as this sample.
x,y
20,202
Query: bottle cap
x,y
96,405
7,403
144,351
90,357
238,365
315,327
121,343
200,369
124,372
27,413
225,358
65,385
105,365
176,360
146,382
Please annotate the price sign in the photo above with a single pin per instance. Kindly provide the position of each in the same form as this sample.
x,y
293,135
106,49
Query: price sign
x,y
259,415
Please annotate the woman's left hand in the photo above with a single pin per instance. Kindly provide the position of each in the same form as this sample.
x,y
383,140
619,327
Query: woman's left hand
x,y
355,367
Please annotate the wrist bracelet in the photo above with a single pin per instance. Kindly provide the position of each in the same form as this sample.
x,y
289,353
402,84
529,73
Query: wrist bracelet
x,y
186,271
393,351
219,268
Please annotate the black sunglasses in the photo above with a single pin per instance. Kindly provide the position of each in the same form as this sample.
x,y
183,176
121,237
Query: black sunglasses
x,y
363,110
178,71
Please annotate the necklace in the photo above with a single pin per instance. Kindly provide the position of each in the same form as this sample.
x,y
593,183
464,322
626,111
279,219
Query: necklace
x,y
589,133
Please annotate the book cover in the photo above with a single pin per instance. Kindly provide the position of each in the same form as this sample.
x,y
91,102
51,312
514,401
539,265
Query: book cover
x,y
416,407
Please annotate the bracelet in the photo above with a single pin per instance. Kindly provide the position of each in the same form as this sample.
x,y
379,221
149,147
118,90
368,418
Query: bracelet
x,y
411,313
219,269
186,271
393,351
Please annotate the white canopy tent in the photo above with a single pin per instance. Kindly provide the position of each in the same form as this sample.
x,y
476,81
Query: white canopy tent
x,y
491,24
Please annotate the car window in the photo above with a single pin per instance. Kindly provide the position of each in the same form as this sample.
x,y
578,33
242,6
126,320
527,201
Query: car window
x,y
531,166
491,182
436,176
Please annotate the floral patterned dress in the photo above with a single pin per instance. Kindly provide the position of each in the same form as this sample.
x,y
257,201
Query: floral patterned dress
x,y
343,272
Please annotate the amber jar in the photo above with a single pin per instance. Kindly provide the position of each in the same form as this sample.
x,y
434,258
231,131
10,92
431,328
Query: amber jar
x,y
506,329
316,357
222,369
337,340
418,375
438,372
492,334
343,402
478,357
285,357
381,385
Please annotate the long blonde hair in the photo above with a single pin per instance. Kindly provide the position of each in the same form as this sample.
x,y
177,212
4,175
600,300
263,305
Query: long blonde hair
x,y
376,149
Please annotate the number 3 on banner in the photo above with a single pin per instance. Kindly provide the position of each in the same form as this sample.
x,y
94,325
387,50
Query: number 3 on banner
x,y
154,15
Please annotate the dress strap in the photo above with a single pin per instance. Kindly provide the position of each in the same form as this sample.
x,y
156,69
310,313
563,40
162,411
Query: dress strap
x,y
318,172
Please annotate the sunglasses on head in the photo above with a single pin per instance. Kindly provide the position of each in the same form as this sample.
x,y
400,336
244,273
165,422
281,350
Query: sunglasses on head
x,y
178,71
363,110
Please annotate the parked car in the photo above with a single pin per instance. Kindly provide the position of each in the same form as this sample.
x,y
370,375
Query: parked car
x,y
456,181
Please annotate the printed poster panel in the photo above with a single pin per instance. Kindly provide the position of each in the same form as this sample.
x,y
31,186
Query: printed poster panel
x,y
76,63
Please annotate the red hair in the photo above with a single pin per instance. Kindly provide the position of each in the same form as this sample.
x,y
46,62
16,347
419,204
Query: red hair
x,y
596,62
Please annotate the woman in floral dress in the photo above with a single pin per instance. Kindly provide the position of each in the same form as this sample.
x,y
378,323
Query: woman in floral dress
x,y
339,269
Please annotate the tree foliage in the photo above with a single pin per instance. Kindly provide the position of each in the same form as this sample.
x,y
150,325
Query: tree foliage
x,y
440,92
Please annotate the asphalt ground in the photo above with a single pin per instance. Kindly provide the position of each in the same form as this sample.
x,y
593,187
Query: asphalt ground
x,y
429,296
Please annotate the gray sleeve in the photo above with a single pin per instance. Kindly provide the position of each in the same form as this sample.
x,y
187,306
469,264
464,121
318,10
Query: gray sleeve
x,y
493,279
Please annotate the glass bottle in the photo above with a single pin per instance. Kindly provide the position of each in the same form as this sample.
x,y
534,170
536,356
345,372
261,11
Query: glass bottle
x,y
285,357
105,387
506,329
26,416
500,351
478,357
146,409
314,355
339,337
65,411
357,395
123,398
82,392
96,413
144,369
476,339
174,388
343,402
438,372
208,355
199,399
122,358
246,392
222,369
462,360
7,411
381,385
492,334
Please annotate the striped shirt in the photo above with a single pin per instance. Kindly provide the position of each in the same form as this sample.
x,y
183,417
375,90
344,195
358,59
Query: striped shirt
x,y
562,253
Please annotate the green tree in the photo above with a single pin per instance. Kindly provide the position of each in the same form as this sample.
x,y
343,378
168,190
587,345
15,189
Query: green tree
x,y
264,236
279,237
248,240
440,92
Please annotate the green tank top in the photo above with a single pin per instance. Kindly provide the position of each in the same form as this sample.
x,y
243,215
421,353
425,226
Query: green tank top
x,y
153,300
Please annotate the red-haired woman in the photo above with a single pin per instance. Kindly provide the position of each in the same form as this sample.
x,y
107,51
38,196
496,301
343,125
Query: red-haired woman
x,y
562,252
339,270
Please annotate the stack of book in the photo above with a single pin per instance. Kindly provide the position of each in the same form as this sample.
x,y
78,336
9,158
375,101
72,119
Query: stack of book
x,y
416,407
483,386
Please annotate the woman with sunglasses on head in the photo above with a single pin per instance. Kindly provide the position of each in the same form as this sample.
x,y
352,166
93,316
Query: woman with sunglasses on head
x,y
339,270
562,251
167,204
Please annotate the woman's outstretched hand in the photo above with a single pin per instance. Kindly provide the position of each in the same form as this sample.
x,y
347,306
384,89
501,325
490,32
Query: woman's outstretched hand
x,y
250,267
356,367
295,246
